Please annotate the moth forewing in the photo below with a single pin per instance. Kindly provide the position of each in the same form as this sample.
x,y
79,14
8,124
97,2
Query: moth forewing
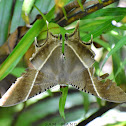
x,y
78,74
19,92
107,90
83,51
40,57
26,86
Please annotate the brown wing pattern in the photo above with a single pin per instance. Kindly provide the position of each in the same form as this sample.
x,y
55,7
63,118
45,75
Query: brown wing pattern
x,y
44,52
82,51
19,91
51,68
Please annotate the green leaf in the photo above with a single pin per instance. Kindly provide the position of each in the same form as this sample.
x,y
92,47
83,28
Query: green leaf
x,y
20,49
44,6
17,19
23,46
113,38
113,51
62,101
122,65
86,101
116,59
43,16
89,25
64,12
52,27
102,43
99,101
101,28
100,1
17,71
5,15
80,4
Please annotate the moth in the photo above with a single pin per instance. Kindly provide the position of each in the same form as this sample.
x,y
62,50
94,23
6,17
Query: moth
x,y
51,68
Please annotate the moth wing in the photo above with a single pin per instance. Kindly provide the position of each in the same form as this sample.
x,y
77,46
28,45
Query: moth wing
x,y
42,83
108,90
20,90
82,51
78,75
49,74
43,53
83,79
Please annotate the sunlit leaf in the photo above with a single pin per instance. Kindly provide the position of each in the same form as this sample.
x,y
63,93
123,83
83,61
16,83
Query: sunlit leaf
x,y
114,49
52,27
26,8
102,28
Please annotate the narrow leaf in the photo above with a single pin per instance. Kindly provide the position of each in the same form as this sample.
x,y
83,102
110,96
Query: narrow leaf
x,y
5,15
113,50
40,13
62,101
86,101
23,46
17,19
20,49
26,8
104,27
120,68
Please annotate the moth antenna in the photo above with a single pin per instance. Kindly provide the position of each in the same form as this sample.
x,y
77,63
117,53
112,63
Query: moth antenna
x,y
77,26
47,27
76,30
91,38
47,22
36,44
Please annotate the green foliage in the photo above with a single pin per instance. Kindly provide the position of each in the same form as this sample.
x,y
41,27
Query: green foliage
x,y
62,101
26,8
115,52
86,102
52,27
17,18
24,44
5,16
47,109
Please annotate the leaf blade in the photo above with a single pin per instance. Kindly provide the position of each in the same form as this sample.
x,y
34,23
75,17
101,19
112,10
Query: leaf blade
x,y
116,47
5,15
23,46
62,101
